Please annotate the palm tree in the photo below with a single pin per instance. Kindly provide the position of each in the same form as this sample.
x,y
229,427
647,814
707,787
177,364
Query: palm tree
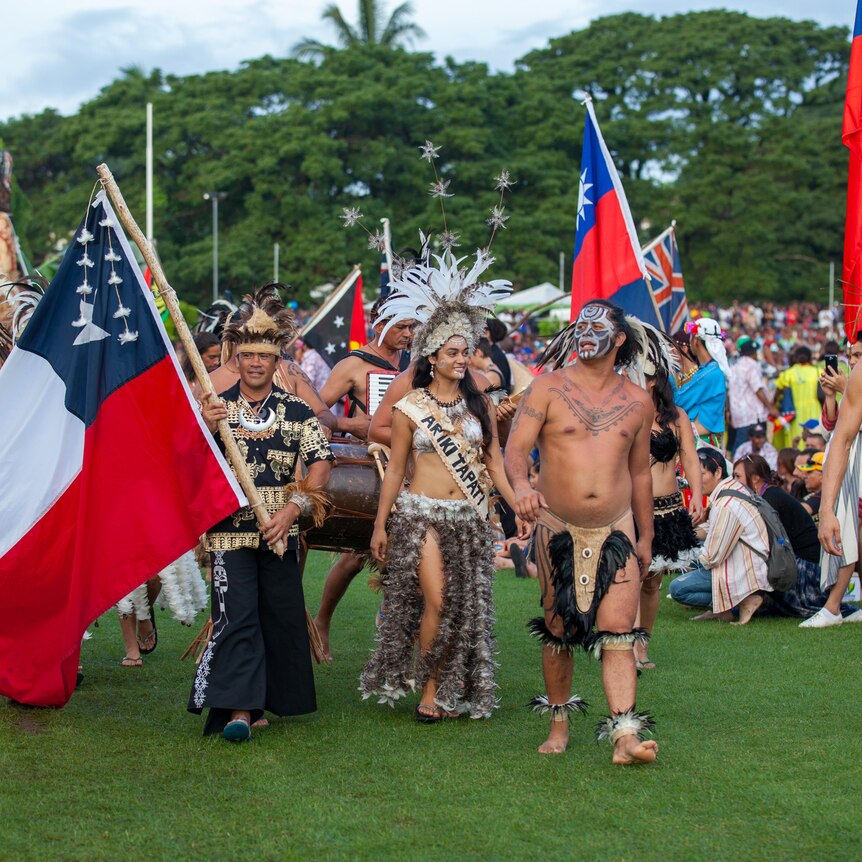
x,y
397,30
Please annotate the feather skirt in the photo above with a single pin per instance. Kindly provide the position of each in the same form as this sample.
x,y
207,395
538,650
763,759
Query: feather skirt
x,y
461,658
675,546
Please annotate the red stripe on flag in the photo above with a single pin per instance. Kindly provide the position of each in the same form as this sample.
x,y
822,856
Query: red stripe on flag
x,y
358,331
606,261
149,487
852,268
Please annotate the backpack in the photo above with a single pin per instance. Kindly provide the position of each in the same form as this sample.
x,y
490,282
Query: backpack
x,y
781,569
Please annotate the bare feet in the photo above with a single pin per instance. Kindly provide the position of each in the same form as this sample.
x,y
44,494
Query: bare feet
x,y
558,738
723,616
747,608
630,751
323,631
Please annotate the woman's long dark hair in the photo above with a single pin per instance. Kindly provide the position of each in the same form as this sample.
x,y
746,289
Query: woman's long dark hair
x,y
473,398
757,465
662,396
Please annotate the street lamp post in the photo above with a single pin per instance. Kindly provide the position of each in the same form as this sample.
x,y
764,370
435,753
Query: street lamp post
x,y
215,197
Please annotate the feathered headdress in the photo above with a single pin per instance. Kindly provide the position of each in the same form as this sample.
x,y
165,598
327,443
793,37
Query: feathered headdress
x,y
434,290
261,324
653,353
446,300
214,318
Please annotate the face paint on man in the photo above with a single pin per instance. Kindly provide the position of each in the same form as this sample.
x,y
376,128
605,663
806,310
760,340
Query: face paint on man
x,y
594,332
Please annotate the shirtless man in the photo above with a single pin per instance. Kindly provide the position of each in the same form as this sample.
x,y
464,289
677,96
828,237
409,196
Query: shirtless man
x,y
349,379
592,428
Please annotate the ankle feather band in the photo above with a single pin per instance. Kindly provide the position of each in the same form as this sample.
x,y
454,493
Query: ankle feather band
x,y
628,723
559,711
539,629
615,641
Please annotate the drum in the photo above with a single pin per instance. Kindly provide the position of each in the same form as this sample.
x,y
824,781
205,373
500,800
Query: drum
x,y
353,488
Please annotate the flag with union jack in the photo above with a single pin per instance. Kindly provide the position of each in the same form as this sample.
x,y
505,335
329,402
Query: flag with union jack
x,y
662,262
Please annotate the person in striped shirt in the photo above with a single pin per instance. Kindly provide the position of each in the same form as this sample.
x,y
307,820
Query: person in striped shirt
x,y
732,571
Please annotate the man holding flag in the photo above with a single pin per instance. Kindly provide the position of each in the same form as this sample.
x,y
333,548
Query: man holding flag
x,y
258,657
109,470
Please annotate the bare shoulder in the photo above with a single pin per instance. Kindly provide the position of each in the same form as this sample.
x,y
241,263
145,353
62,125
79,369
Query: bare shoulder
x,y
633,392
543,384
347,366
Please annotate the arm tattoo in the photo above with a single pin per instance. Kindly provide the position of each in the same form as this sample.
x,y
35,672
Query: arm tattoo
x,y
295,370
598,419
533,414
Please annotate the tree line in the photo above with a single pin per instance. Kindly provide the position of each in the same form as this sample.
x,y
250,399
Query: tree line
x,y
728,123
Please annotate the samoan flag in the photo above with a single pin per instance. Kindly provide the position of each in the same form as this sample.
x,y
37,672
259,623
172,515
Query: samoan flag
x,y
661,257
608,263
851,135
107,470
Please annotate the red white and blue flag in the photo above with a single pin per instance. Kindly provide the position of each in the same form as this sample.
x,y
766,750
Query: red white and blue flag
x,y
661,257
608,263
107,471
851,135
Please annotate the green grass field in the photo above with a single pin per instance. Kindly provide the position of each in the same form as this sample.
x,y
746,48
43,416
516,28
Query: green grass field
x,y
758,727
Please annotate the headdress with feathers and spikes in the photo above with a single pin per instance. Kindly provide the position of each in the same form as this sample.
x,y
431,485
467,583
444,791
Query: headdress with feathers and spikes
x,y
445,298
653,353
261,324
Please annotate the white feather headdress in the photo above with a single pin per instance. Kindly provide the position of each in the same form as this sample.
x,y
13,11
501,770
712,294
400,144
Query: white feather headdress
x,y
445,299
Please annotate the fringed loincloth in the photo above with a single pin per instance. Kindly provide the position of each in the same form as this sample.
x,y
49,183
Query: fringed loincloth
x,y
580,563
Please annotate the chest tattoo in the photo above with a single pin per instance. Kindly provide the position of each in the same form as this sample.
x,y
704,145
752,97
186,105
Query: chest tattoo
x,y
596,419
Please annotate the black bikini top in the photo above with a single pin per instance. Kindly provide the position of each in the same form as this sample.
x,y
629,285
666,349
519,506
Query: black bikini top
x,y
663,446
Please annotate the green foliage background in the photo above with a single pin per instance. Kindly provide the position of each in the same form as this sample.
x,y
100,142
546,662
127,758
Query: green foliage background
x,y
727,123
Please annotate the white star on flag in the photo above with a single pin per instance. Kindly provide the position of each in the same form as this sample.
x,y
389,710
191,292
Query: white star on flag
x,y
583,200
330,348
339,321
343,345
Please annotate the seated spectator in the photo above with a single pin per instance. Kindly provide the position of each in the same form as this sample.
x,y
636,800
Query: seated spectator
x,y
814,435
812,470
757,444
799,489
786,471
732,571
807,598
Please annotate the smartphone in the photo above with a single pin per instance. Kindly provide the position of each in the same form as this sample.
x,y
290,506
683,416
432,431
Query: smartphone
x,y
830,360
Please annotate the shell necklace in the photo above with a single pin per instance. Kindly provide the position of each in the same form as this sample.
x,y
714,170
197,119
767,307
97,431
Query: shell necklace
x,y
262,418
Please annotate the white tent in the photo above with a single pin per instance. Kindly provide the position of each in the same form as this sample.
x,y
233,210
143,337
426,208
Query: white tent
x,y
532,297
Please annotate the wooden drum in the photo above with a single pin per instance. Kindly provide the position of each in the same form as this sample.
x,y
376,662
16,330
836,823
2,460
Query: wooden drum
x,y
354,489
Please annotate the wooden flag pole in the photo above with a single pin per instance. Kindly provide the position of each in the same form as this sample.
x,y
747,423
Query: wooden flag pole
x,y
168,294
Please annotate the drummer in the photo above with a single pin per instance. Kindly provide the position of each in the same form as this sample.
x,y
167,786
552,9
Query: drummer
x,y
349,379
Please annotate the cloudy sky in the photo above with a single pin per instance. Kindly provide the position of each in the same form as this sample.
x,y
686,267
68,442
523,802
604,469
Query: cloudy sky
x,y
58,54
